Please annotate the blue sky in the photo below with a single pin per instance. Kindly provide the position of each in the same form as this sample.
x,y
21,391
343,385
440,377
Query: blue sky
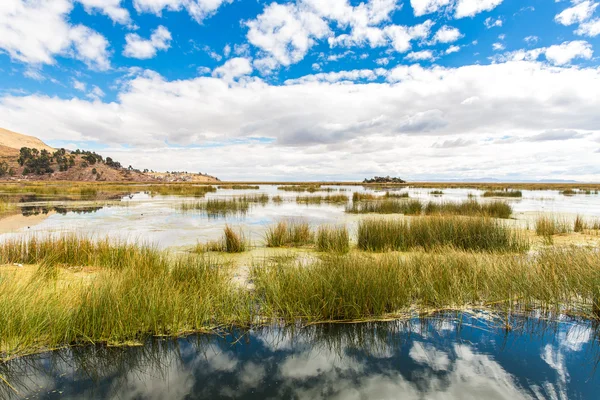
x,y
339,89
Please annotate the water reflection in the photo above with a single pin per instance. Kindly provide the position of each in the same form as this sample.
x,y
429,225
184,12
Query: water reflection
x,y
452,357
62,210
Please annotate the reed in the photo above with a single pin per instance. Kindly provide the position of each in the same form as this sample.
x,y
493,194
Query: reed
x,y
568,192
330,198
548,226
231,242
360,196
387,206
219,207
333,239
503,193
359,286
300,188
392,195
289,234
496,209
428,233
277,199
436,192
239,187
579,225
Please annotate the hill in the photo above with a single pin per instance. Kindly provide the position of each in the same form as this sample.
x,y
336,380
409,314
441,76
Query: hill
x,y
25,157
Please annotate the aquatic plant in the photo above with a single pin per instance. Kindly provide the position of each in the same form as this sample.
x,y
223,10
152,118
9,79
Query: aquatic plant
x,y
496,209
478,234
330,198
218,207
289,234
579,225
361,196
300,188
358,286
436,193
396,195
277,199
386,206
231,242
503,193
333,239
239,187
568,192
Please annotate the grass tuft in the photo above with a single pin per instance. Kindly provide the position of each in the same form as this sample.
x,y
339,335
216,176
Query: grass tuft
x,y
333,239
503,193
289,234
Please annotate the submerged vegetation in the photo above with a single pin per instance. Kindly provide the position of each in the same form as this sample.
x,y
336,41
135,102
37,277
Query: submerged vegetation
x,y
477,234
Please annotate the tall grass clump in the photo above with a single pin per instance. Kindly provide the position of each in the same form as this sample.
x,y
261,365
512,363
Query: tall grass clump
x,y
477,234
503,193
300,188
239,187
6,206
219,207
359,196
331,198
579,225
393,195
436,192
387,206
182,295
359,286
496,209
231,242
548,226
568,192
333,239
289,234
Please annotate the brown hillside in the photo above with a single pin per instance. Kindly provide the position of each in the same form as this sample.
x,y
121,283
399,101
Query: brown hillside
x,y
16,140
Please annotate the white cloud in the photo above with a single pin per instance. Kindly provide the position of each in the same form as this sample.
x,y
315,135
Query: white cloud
x,y
470,8
78,85
491,22
498,46
96,93
198,9
420,55
227,50
531,39
566,52
590,28
422,7
286,32
111,8
447,34
580,12
137,47
319,127
37,32
452,49
233,68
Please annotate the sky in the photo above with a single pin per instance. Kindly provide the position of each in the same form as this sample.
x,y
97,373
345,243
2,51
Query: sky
x,y
311,89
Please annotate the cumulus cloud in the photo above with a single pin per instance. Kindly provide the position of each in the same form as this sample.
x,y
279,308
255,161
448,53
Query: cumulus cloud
x,y
554,134
581,11
198,9
493,22
286,32
447,34
317,127
233,68
37,32
422,7
420,55
470,8
558,54
138,47
110,8
452,49
590,28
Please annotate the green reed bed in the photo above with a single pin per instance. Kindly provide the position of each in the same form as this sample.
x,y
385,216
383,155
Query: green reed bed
x,y
231,242
478,234
289,234
335,239
568,192
239,187
548,226
360,196
300,188
359,286
219,207
277,199
496,209
436,192
386,206
396,195
330,198
147,292
503,193
6,206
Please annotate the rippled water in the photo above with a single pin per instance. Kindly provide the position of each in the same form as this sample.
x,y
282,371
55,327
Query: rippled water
x,y
449,357
157,219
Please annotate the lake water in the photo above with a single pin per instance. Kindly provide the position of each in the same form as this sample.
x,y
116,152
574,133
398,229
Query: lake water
x,y
159,220
464,356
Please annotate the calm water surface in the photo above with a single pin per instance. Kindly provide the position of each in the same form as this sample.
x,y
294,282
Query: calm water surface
x,y
157,219
454,357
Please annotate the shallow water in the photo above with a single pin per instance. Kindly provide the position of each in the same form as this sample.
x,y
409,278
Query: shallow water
x,y
451,357
157,219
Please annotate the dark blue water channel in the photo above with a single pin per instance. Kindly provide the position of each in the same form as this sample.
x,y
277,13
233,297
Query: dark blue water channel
x,y
464,356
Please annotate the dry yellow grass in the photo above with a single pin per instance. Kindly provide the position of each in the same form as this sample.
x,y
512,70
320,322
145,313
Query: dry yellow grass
x,y
16,140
